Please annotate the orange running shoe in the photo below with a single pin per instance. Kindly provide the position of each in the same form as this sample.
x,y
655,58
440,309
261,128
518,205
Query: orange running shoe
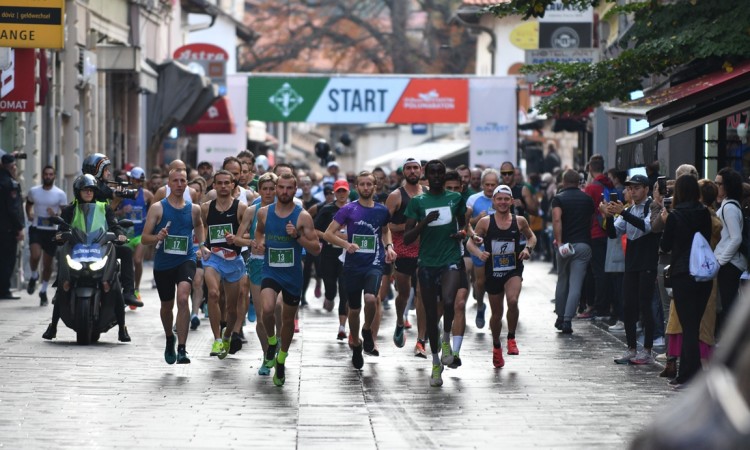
x,y
497,357
512,347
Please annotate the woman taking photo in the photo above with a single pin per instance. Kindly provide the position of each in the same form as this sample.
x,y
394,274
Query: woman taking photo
x,y
687,217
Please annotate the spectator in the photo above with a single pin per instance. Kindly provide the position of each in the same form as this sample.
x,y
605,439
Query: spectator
x,y
12,223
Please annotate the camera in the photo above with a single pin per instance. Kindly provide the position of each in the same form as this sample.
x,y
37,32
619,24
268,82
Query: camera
x,y
20,155
668,202
127,193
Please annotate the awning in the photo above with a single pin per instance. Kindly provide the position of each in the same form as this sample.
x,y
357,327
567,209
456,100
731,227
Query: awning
x,y
430,150
217,119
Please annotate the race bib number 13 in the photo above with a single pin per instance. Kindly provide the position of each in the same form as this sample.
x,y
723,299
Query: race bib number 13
x,y
176,245
365,242
281,257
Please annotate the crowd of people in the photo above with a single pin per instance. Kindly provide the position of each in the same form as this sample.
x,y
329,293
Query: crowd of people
x,y
247,240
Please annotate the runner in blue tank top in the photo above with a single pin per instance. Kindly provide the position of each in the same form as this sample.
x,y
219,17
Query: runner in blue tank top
x,y
283,229
170,225
368,246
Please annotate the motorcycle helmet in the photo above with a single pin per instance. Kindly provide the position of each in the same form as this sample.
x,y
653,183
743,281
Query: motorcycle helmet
x,y
95,164
84,181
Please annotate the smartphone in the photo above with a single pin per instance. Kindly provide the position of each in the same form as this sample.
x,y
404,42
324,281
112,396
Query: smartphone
x,y
668,202
613,197
662,185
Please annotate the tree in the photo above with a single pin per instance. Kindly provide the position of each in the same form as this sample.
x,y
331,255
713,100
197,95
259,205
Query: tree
x,y
667,36
351,36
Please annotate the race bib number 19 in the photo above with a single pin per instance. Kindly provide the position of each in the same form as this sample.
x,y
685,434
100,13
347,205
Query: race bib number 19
x,y
281,257
365,242
176,245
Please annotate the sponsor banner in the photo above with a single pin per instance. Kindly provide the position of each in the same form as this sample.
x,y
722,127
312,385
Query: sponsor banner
x,y
433,101
207,60
18,81
562,55
356,100
493,117
32,23
217,119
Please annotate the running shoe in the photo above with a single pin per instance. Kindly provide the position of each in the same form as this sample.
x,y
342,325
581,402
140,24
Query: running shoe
x,y
407,324
31,285
618,327
194,322
480,315
626,357
43,299
182,357
328,305
586,315
271,355
216,348
456,362
279,377
398,337
251,317
447,356
436,380
341,336
375,351
642,357
368,344
235,343
296,325
512,347
263,370
419,350
170,353
224,348
497,357
357,360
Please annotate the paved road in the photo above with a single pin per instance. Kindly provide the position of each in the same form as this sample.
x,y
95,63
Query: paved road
x,y
562,391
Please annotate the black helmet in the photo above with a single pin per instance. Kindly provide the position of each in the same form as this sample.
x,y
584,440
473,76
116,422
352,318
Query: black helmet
x,y
84,181
95,164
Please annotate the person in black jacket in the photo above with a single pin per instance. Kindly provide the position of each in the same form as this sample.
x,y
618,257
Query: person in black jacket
x,y
11,223
690,296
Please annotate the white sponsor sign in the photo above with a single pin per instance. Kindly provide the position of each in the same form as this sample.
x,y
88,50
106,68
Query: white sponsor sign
x,y
215,147
492,118
557,12
358,100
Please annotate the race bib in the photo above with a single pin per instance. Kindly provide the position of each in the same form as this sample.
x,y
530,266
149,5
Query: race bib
x,y
45,223
445,217
176,245
503,256
135,215
217,233
281,257
366,242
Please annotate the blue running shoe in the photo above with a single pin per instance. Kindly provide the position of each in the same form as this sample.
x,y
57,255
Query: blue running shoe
x,y
251,313
170,353
480,315
264,370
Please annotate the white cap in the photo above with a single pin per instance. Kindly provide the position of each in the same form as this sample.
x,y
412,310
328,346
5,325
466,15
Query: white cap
x,y
262,161
137,173
503,189
332,164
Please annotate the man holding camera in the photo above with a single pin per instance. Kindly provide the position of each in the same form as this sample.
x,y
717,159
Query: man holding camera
x,y
99,165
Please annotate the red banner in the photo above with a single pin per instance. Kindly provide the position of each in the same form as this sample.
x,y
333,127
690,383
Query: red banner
x,y
433,101
18,81
216,120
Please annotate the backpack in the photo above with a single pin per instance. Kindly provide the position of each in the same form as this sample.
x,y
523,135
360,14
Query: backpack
x,y
744,249
703,264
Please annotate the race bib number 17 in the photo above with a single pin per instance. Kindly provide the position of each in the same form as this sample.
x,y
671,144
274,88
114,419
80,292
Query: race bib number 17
x,y
176,245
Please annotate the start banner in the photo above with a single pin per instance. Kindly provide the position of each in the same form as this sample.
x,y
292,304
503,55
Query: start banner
x,y
356,100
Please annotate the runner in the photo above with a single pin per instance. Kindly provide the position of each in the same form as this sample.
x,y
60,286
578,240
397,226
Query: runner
x,y
330,257
283,229
174,259
368,245
197,295
310,261
222,262
406,262
44,201
436,217
502,231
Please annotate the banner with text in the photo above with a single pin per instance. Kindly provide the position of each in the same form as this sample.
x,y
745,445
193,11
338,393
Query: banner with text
x,y
493,114
18,81
32,23
357,100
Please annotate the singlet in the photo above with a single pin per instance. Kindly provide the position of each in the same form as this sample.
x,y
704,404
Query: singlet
x,y
177,247
243,195
403,251
219,224
364,227
504,247
138,213
283,258
53,198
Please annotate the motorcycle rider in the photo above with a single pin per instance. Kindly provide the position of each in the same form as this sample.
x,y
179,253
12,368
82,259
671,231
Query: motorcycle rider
x,y
84,188
99,166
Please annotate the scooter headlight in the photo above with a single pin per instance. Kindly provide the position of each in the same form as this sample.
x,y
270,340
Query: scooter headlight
x,y
73,264
98,265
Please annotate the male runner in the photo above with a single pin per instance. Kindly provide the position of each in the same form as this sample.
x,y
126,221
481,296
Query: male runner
x,y
174,260
222,262
436,217
42,203
368,246
283,229
502,234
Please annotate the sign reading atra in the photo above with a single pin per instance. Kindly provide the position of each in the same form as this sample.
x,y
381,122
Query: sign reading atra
x,y
32,23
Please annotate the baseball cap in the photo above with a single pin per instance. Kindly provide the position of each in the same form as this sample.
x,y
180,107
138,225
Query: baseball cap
x,y
8,159
637,179
411,161
503,189
341,184
137,173
332,164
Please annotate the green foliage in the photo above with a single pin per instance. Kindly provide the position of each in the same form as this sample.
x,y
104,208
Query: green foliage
x,y
664,37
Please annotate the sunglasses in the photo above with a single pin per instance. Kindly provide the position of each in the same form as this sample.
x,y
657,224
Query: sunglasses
x,y
507,172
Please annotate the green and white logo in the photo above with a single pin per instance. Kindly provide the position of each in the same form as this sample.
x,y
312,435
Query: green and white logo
x,y
286,99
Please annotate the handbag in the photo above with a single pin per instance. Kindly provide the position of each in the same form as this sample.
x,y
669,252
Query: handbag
x,y
703,263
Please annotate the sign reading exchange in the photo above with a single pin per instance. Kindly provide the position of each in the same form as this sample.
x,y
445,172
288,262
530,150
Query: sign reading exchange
x,y
32,23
